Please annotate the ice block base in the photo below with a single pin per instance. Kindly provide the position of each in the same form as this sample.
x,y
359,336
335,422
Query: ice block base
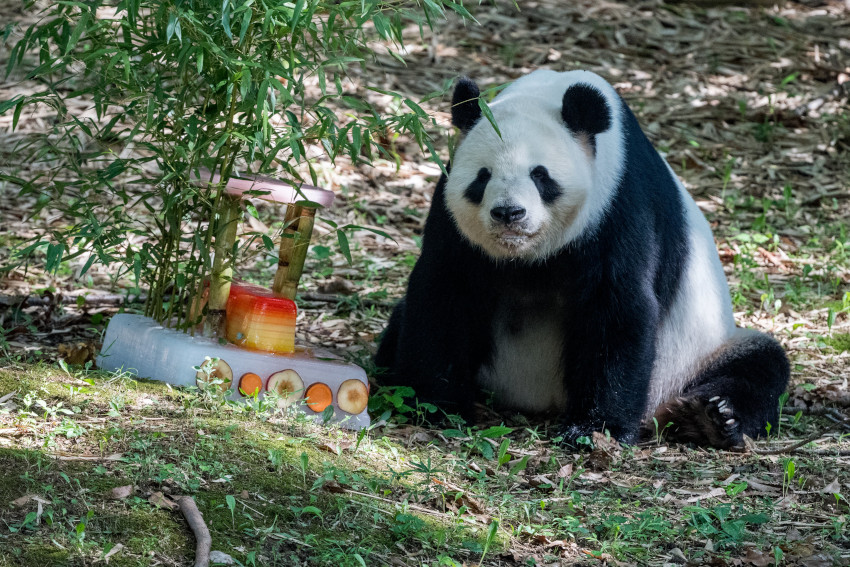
x,y
139,345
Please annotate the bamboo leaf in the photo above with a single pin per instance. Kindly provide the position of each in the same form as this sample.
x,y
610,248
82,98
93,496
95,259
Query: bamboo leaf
x,y
488,114
54,256
343,246
173,28
225,18
81,26
296,15
7,104
17,114
246,23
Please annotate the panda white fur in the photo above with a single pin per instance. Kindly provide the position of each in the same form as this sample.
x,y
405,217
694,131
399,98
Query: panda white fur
x,y
565,268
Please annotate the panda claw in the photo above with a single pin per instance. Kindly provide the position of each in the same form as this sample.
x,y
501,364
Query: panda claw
x,y
730,422
714,399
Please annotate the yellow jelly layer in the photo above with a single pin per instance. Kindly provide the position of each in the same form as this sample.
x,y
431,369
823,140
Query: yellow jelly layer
x,y
275,334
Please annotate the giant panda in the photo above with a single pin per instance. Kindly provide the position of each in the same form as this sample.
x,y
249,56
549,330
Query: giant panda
x,y
564,268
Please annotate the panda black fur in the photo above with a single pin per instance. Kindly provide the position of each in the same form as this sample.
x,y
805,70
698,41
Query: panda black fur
x,y
564,267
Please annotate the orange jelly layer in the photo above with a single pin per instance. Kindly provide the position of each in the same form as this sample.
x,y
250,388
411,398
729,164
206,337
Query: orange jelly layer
x,y
258,319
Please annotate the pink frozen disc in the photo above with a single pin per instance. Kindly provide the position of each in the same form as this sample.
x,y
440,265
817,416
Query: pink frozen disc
x,y
275,190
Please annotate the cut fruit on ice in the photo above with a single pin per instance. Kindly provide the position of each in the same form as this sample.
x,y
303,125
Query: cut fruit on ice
x,y
213,369
288,384
352,396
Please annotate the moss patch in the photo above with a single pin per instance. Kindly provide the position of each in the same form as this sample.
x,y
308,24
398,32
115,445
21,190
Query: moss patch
x,y
839,341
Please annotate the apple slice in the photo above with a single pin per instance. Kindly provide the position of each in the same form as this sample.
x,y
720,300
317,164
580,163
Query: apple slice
x,y
288,384
215,369
352,396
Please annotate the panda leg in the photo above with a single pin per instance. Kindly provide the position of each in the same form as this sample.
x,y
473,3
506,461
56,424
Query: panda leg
x,y
385,357
735,393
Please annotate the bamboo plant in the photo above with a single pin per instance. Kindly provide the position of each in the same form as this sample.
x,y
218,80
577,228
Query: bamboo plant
x,y
173,90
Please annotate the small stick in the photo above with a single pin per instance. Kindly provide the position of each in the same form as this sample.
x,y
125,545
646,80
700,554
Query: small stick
x,y
793,446
203,541
334,298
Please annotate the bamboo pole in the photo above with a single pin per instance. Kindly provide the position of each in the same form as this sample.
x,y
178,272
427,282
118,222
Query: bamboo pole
x,y
227,221
294,242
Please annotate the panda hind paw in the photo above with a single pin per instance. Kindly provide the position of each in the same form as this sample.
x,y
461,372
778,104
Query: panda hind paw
x,y
709,422
727,428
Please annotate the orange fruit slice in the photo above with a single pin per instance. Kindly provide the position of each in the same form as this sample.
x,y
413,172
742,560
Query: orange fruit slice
x,y
319,396
250,384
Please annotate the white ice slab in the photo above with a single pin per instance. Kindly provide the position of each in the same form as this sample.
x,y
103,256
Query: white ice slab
x,y
139,345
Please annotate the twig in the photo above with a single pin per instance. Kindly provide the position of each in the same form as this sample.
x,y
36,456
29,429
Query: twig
x,y
820,411
203,541
815,410
333,298
388,501
788,448
838,193
92,300
830,452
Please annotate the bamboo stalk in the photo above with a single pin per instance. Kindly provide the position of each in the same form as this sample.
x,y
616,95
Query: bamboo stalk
x,y
222,271
294,242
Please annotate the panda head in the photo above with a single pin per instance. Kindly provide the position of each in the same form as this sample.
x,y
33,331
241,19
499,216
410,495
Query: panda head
x,y
547,180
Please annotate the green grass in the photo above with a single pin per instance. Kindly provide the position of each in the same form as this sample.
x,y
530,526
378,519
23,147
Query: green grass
x,y
277,490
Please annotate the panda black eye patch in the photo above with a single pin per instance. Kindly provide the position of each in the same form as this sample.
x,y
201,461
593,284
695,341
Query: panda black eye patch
x,y
475,192
547,187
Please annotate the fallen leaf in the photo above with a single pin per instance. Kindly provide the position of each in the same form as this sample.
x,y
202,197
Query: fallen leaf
x,y
818,560
793,534
832,488
337,285
541,480
222,558
677,556
606,450
121,492
115,549
333,486
160,501
713,493
78,353
593,476
330,447
565,471
22,501
758,558
420,437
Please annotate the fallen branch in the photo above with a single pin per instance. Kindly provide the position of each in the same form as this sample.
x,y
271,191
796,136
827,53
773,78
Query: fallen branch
x,y
831,414
93,300
838,194
793,446
203,541
334,298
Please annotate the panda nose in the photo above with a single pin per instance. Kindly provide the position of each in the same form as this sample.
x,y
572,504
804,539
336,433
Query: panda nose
x,y
507,215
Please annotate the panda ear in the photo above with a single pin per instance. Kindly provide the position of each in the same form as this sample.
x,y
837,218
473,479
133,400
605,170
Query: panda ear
x,y
586,112
465,109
